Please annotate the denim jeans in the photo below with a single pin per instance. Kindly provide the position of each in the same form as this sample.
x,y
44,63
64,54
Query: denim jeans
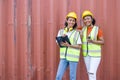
x,y
63,66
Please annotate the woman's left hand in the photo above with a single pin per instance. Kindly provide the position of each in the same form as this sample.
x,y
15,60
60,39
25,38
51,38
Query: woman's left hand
x,y
65,44
90,40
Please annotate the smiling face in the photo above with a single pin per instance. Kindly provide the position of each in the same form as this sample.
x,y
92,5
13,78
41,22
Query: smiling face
x,y
87,20
71,22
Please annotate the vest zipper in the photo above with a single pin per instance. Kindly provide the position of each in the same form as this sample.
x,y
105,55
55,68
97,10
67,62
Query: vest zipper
x,y
66,51
87,48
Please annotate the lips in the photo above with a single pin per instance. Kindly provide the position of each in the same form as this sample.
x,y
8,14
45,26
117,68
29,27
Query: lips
x,y
88,23
71,24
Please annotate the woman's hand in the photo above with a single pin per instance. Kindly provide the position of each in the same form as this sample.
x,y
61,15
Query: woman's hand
x,y
81,33
89,40
72,46
65,44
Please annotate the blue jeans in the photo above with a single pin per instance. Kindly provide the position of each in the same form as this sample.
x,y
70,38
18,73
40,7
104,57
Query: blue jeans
x,y
63,66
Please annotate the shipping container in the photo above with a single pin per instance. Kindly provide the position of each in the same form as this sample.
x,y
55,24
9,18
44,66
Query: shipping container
x,y
28,49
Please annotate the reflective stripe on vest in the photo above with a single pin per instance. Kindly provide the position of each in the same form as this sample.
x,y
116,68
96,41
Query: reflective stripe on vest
x,y
71,54
93,49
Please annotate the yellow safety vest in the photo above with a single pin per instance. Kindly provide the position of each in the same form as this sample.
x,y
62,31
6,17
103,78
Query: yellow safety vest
x,y
91,49
70,54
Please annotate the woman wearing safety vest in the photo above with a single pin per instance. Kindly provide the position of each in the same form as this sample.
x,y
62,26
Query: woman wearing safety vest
x,y
69,55
92,39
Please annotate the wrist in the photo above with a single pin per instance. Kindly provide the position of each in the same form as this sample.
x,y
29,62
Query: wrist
x,y
93,41
69,45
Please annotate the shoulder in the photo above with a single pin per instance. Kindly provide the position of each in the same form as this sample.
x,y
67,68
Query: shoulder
x,y
100,32
99,28
77,32
61,29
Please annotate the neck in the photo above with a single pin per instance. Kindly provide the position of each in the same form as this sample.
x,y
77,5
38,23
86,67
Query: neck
x,y
69,26
90,26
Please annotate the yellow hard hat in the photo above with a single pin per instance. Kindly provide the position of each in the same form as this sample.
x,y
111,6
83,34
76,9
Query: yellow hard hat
x,y
72,14
87,13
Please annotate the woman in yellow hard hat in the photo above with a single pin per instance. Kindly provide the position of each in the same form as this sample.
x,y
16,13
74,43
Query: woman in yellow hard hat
x,y
69,51
92,39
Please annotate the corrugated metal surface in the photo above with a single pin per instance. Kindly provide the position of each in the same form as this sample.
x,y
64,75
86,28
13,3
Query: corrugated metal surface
x,y
28,50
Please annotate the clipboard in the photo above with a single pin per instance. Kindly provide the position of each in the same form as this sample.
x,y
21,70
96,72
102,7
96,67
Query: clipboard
x,y
62,39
